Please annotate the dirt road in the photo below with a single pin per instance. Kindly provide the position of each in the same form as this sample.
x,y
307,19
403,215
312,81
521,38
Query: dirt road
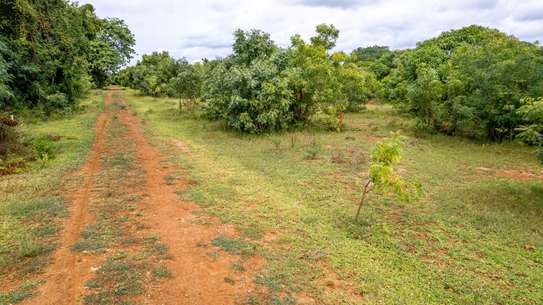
x,y
130,238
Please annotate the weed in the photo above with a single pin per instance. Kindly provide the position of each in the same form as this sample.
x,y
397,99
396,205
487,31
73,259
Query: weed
x,y
161,272
312,151
116,279
22,293
238,266
44,147
234,246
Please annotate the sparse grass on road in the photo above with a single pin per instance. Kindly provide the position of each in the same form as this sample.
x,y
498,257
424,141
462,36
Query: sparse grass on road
x,y
474,238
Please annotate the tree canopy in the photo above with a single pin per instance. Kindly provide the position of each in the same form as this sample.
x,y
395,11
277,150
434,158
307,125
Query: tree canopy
x,y
52,51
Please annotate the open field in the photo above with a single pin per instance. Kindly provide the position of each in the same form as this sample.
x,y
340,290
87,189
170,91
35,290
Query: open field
x,y
474,238
168,207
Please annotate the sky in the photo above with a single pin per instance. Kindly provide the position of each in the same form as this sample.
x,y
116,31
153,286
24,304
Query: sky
x,y
203,28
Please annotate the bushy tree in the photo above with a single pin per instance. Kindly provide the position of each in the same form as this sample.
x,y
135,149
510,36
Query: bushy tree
x,y
262,87
247,89
47,52
187,84
112,49
467,82
531,130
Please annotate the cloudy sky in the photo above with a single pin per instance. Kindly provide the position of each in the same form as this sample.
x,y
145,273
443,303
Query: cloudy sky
x,y
203,28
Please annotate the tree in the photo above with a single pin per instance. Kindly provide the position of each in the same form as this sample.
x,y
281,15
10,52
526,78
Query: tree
x,y
314,79
188,82
382,175
48,49
110,50
532,116
467,82
372,53
247,89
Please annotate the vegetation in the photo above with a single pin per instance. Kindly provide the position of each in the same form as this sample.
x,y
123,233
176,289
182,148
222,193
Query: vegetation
x,y
475,221
261,87
280,214
467,82
531,112
381,174
52,52
31,209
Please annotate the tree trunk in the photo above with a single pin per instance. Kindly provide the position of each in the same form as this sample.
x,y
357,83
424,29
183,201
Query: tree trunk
x,y
366,190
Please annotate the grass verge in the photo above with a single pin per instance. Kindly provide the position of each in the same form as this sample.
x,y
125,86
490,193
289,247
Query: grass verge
x,y
31,206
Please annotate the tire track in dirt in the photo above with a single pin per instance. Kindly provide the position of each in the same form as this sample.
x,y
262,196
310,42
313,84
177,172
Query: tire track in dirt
x,y
198,279
66,276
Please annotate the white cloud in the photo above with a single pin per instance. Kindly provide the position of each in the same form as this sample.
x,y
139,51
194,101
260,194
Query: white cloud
x,y
204,29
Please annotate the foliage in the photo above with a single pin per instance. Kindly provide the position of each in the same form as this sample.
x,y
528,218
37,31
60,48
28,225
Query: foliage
x,y
188,81
112,49
467,82
371,53
158,74
262,87
531,113
50,51
247,88
382,174
44,147
378,59
395,248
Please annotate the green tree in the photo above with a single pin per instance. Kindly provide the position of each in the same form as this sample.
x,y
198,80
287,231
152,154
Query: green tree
x,y
110,50
531,130
46,51
382,176
187,84
467,82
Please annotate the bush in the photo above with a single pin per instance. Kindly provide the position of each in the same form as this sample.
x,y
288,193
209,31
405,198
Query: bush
x,y
468,82
264,88
44,147
312,151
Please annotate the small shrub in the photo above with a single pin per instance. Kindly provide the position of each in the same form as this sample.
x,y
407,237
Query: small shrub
x,y
44,147
11,165
276,142
234,246
161,272
312,151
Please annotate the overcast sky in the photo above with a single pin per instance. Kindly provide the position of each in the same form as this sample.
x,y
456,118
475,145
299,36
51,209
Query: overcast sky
x,y
203,28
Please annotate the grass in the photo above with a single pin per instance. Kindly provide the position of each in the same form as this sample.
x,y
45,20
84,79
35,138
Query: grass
x,y
474,238
235,246
31,206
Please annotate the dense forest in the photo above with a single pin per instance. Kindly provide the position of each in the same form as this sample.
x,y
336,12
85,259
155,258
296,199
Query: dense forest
x,y
51,53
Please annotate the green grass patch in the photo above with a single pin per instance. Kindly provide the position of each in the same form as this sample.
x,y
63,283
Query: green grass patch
x,y
18,295
237,246
474,238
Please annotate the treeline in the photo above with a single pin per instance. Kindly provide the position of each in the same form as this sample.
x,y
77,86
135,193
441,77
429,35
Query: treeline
x,y
53,51
475,82
262,87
